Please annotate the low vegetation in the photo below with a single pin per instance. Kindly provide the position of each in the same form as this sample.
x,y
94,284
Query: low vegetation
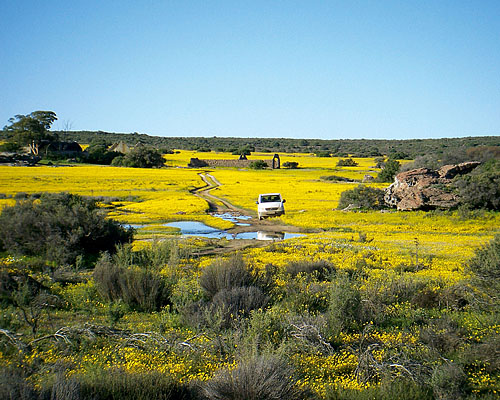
x,y
365,305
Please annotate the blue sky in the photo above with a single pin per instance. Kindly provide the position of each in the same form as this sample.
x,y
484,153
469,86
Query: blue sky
x,y
303,69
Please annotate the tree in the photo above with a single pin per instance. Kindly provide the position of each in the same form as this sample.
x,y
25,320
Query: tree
x,y
32,129
390,169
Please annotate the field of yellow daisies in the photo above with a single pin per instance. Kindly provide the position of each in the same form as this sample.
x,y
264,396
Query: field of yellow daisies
x,y
364,304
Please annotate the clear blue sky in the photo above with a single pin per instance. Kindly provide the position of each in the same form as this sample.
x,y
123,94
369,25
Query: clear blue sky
x,y
304,69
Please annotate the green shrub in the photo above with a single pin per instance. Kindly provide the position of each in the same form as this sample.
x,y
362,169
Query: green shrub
x,y
259,164
347,162
291,164
485,266
141,157
260,378
335,178
389,171
59,227
345,307
389,389
117,385
322,269
481,188
449,381
363,197
139,288
232,304
225,274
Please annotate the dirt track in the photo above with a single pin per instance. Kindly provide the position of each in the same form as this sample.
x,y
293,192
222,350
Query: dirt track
x,y
218,205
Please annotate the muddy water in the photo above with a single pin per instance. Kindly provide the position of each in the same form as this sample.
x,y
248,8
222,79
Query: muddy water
x,y
195,228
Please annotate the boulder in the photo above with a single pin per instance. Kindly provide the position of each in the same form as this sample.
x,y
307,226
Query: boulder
x,y
426,189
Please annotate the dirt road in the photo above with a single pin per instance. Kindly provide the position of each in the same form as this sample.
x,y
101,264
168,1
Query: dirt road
x,y
218,205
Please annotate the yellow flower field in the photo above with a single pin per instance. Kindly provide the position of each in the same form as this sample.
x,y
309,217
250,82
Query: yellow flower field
x,y
384,251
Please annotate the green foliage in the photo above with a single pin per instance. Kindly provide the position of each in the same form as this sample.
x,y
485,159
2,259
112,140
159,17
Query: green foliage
x,y
323,154
99,154
364,197
345,308
141,157
259,164
335,178
322,269
261,377
485,265
389,389
135,278
290,164
59,227
480,188
225,274
347,162
10,147
245,150
389,171
32,128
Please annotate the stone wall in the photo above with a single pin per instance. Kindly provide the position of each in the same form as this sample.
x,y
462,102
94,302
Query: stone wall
x,y
228,163
235,163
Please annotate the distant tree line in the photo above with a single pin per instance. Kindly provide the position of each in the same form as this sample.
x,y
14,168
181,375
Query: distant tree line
x,y
395,149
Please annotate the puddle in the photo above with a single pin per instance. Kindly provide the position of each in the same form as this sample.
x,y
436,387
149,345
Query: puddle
x,y
135,226
195,228
235,218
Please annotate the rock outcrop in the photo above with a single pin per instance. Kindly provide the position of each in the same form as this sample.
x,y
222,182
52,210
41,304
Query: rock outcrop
x,y
426,189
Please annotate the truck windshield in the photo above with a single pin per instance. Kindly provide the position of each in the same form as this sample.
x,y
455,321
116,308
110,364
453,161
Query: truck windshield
x,y
270,199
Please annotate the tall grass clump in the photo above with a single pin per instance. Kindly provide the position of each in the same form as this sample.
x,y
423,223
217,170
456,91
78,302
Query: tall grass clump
x,y
259,378
135,277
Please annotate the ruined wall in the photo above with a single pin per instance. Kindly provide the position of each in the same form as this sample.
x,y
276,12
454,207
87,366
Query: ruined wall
x,y
234,163
195,163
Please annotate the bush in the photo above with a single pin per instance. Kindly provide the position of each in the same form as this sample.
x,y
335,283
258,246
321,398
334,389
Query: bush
x,y
389,171
363,197
347,162
99,154
344,311
59,227
260,378
141,157
485,265
481,188
259,164
389,389
231,304
139,288
291,164
10,147
449,381
117,385
321,268
225,274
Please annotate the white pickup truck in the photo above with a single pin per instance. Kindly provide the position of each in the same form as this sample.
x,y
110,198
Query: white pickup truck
x,y
270,204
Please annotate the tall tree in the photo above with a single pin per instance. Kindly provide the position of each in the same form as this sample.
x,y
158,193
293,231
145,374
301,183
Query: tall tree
x,y
32,129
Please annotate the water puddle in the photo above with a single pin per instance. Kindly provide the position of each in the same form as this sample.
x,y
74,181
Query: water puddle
x,y
195,228
234,218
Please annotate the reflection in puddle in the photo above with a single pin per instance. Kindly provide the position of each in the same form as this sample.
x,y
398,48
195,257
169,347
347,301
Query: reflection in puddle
x,y
195,228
